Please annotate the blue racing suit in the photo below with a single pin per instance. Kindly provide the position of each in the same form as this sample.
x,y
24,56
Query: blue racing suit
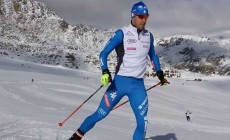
x,y
132,48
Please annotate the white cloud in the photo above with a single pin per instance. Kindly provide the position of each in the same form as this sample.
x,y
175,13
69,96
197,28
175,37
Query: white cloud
x,y
167,16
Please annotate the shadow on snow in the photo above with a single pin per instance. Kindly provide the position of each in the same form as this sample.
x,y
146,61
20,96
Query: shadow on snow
x,y
169,136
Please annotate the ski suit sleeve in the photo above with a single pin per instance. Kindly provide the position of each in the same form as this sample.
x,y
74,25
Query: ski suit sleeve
x,y
113,42
153,56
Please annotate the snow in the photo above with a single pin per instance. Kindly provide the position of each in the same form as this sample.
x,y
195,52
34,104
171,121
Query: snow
x,y
31,111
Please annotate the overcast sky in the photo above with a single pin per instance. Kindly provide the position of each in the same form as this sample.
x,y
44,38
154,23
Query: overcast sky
x,y
167,17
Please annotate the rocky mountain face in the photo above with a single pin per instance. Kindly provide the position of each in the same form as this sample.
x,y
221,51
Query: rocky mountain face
x,y
30,31
199,54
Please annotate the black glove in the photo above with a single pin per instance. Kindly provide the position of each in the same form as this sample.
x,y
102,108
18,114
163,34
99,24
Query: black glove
x,y
161,77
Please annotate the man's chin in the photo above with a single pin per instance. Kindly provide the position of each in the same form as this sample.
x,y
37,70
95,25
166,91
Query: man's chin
x,y
141,27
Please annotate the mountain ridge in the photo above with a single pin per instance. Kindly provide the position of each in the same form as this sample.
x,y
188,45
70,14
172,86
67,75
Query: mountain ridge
x,y
30,31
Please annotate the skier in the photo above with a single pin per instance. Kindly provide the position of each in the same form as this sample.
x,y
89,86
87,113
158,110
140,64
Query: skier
x,y
133,44
187,115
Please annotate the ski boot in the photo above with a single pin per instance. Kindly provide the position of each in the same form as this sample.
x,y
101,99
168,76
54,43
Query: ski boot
x,y
77,135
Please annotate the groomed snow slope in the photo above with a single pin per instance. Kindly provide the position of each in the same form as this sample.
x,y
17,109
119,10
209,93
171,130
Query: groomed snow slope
x,y
31,111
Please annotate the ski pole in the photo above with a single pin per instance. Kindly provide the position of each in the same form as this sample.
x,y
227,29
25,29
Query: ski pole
x,y
61,123
128,100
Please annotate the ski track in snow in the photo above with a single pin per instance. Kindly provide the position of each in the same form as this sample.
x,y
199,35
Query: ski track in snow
x,y
31,111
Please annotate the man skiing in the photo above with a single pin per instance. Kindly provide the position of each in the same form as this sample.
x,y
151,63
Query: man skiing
x,y
187,115
133,44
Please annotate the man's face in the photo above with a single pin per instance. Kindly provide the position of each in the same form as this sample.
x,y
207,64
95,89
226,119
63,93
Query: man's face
x,y
140,21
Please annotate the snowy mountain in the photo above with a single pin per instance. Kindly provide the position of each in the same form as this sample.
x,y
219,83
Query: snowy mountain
x,y
30,31
199,54
35,97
